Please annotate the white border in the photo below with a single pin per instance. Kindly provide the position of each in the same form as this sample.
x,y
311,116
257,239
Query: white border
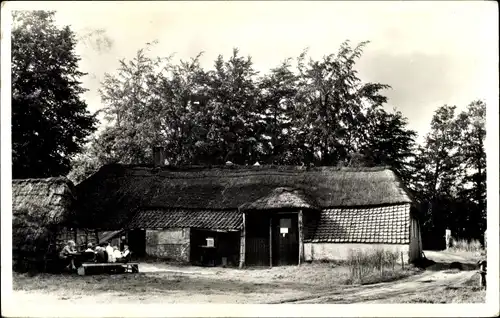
x,y
491,308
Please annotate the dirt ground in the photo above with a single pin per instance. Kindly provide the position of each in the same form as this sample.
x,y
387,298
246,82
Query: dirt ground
x,y
310,283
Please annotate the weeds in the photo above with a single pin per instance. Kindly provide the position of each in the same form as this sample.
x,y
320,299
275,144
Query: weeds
x,y
466,245
363,264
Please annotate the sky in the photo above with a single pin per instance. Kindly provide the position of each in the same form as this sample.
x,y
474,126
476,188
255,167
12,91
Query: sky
x,y
430,53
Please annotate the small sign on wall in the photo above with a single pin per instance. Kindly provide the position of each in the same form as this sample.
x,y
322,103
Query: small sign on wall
x,y
284,230
210,242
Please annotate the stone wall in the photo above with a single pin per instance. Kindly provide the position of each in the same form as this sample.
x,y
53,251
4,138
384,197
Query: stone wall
x,y
172,244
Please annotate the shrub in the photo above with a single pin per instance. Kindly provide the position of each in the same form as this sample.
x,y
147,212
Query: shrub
x,y
466,245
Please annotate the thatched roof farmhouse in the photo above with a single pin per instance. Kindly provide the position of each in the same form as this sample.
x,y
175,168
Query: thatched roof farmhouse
x,y
248,215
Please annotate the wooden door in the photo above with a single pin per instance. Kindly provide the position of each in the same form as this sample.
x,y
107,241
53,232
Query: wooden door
x,y
285,240
137,242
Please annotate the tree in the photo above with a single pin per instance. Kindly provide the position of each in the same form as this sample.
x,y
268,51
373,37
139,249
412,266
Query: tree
x,y
471,151
319,113
450,179
232,111
278,92
388,142
438,169
134,108
332,101
50,121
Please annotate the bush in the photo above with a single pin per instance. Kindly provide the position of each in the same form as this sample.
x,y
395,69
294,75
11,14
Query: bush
x,y
362,264
466,245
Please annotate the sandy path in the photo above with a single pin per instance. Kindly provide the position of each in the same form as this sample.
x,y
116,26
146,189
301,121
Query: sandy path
x,y
383,292
272,290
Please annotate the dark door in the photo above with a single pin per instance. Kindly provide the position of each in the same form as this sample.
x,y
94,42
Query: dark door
x,y
137,242
285,240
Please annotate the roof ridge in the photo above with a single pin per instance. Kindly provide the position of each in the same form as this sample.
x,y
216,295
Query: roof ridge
x,y
235,167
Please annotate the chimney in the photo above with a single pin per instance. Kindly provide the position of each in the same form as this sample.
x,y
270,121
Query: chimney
x,y
159,156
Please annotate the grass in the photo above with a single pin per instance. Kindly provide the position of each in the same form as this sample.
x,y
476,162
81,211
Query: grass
x,y
128,283
376,266
462,245
467,292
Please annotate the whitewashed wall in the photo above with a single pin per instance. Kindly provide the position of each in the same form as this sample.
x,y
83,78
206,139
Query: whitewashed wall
x,y
340,251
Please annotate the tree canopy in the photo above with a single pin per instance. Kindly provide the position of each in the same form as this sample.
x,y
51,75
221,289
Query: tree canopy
x,y
50,121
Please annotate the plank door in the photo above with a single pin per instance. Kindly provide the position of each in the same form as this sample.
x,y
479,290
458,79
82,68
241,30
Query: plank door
x,y
286,240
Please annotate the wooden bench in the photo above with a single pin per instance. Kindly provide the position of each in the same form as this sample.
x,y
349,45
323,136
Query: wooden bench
x,y
85,268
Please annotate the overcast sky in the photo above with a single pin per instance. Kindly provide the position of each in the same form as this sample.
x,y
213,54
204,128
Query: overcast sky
x,y
431,53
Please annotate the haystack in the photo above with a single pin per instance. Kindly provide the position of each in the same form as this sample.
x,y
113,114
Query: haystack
x,y
40,208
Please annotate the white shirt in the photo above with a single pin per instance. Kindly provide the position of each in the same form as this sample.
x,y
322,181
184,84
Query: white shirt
x,y
111,256
117,254
125,253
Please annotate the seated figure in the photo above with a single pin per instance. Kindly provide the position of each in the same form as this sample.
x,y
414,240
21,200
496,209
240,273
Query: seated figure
x,y
89,254
67,255
101,255
116,253
125,255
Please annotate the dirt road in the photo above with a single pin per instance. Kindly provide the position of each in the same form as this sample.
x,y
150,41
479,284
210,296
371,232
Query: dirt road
x,y
162,283
436,278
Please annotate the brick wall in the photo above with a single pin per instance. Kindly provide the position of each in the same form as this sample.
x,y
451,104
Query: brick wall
x,y
172,244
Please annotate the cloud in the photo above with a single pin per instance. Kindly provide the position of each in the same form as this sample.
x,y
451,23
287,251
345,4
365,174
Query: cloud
x,y
96,39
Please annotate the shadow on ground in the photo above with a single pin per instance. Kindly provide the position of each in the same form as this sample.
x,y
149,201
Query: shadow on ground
x,y
431,265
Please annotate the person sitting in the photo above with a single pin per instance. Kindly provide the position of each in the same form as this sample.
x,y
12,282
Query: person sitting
x,y
116,253
68,253
89,248
125,255
89,254
101,256
109,250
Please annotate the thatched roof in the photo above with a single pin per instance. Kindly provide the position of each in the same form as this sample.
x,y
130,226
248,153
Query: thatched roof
x,y
55,196
281,198
112,195
38,206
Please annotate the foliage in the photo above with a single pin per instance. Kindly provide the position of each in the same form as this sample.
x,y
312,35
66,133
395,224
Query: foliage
x,y
362,264
450,174
49,119
466,245
306,115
